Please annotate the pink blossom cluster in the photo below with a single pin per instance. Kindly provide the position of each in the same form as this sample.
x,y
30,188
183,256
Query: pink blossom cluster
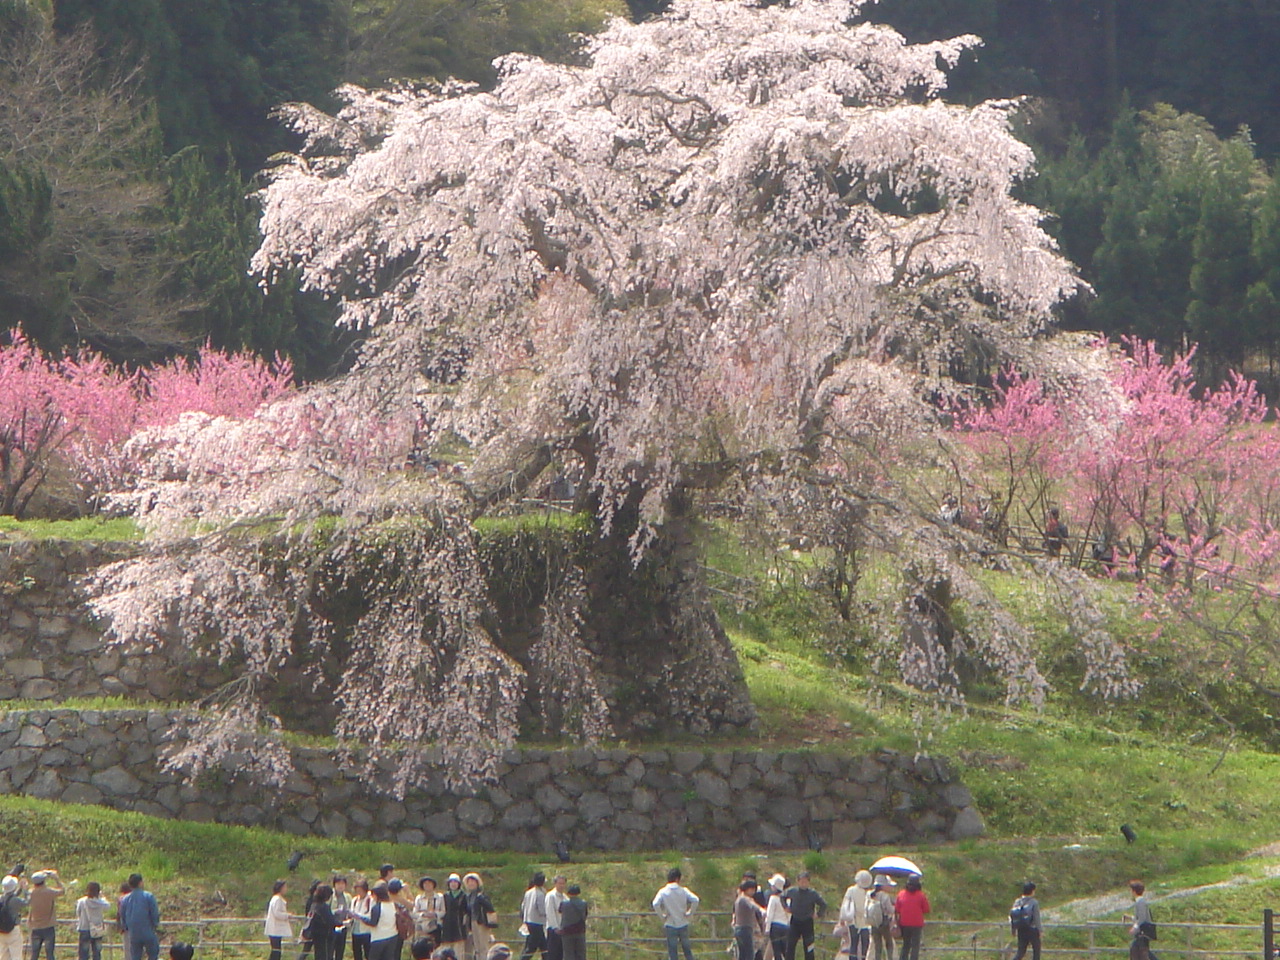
x,y
1175,478
77,412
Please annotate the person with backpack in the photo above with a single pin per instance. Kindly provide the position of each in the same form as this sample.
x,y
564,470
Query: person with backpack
x,y
11,904
1143,929
1024,921
880,916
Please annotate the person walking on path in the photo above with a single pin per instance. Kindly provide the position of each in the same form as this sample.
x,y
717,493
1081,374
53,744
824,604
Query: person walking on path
x,y
277,927
140,919
675,904
91,921
776,919
533,914
11,904
1143,929
805,905
573,925
1024,919
912,906
880,912
555,896
748,920
853,914
42,911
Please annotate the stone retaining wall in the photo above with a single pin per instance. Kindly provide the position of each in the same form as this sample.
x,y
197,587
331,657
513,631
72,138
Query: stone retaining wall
x,y
590,798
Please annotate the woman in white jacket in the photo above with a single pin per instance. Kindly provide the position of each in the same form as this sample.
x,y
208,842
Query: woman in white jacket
x,y
777,921
278,928
853,914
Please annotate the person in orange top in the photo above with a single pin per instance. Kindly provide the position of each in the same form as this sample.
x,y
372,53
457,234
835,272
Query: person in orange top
x,y
912,905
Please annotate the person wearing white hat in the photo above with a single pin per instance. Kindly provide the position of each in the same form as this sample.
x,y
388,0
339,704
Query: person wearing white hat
x,y
853,914
879,906
42,912
10,928
453,931
777,921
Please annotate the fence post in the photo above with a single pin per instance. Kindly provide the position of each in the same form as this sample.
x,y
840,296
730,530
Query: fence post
x,y
1093,952
1268,934
1190,931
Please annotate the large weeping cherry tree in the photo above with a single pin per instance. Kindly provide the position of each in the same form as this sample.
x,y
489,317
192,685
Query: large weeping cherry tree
x,y
719,252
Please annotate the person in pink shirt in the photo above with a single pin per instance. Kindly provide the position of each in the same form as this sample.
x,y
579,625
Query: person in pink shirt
x,y
911,907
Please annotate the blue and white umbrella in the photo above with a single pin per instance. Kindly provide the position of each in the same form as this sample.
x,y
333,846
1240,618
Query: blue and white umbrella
x,y
896,867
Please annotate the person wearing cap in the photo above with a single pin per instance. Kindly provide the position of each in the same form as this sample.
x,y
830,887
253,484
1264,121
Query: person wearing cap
x,y
675,904
11,904
400,904
482,920
777,921
533,915
428,907
911,906
853,914
140,918
42,911
499,951
453,931
879,906
573,924
805,905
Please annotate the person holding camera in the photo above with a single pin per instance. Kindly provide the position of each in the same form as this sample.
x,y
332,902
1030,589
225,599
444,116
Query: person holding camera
x,y
42,911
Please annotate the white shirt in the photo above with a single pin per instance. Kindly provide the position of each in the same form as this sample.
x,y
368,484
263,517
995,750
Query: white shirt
x,y
776,912
277,924
675,905
533,909
551,908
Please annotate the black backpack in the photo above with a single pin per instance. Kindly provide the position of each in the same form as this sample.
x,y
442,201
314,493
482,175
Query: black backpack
x,y
1021,915
7,918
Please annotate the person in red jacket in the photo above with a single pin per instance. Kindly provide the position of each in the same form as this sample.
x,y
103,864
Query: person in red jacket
x,y
912,905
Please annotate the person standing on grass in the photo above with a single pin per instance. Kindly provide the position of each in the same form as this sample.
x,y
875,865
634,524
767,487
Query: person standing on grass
x,y
675,905
1026,926
381,921
277,928
853,914
776,919
126,949
42,911
11,904
140,918
533,914
573,925
880,917
912,906
805,905
361,904
428,908
341,906
453,929
324,925
483,919
555,896
91,921
748,919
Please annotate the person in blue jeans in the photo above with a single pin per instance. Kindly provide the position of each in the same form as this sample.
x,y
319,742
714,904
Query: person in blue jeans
x,y
675,905
140,919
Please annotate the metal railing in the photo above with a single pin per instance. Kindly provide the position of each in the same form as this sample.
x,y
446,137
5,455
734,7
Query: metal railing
x,y
638,936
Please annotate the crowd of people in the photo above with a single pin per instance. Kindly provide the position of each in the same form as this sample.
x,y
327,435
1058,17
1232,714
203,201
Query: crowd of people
x,y
457,921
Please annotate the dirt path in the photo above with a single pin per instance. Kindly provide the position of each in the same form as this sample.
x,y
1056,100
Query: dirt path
x,y
1090,908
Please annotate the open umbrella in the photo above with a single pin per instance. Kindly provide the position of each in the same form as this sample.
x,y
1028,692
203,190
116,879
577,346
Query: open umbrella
x,y
896,867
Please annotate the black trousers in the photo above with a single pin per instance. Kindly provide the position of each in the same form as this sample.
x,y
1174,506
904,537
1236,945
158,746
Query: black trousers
x,y
800,929
1028,937
536,941
555,946
359,946
340,944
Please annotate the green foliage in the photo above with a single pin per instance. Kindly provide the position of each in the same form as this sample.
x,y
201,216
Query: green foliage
x,y
82,528
460,38
216,68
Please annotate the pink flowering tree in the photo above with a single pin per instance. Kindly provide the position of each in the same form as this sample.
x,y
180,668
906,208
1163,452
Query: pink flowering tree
x,y
678,271
77,413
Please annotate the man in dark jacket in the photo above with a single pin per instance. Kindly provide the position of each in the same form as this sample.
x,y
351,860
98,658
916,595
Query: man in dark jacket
x,y
805,905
